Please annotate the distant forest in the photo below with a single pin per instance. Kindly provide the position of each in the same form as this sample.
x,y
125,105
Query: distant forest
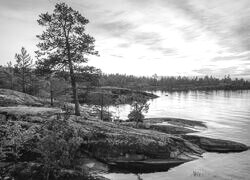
x,y
180,83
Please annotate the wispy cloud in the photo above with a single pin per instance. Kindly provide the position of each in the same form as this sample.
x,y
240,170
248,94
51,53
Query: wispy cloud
x,y
116,28
233,56
123,45
217,72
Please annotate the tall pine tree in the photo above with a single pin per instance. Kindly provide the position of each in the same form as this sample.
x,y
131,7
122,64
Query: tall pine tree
x,y
64,43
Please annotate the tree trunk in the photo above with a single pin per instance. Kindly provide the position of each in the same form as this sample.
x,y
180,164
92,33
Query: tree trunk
x,y
74,89
51,94
23,82
51,99
11,81
101,107
72,77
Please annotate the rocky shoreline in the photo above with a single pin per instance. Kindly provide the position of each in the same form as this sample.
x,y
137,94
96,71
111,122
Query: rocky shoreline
x,y
154,145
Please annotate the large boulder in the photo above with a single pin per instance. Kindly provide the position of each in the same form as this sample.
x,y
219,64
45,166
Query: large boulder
x,y
13,98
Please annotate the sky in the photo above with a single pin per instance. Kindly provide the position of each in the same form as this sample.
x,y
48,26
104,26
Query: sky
x,y
145,37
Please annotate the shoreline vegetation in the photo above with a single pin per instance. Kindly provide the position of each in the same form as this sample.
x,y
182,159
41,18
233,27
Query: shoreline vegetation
x,y
32,131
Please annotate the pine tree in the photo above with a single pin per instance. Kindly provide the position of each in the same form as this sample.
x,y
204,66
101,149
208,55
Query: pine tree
x,y
65,44
23,67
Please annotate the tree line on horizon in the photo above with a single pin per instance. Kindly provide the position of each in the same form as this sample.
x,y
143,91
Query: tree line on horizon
x,y
174,83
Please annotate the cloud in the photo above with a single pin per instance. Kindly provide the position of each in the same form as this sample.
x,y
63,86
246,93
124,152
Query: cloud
x,y
22,5
245,72
217,72
242,31
237,57
115,55
187,8
124,45
219,17
147,38
129,34
153,41
166,51
247,63
116,28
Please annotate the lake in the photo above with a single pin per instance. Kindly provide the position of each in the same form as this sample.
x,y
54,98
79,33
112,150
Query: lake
x,y
227,116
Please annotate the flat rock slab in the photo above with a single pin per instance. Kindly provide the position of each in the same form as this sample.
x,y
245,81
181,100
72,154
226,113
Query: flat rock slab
x,y
176,121
171,129
13,98
29,111
169,125
112,142
216,145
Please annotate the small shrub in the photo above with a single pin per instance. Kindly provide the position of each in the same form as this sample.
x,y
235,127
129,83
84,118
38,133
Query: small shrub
x,y
139,106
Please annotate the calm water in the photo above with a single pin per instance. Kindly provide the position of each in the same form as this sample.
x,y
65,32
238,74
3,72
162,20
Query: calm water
x,y
227,115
